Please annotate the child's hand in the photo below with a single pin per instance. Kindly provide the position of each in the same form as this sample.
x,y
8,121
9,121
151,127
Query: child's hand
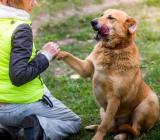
x,y
51,49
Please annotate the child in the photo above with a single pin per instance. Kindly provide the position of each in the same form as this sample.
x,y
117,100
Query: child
x,y
25,102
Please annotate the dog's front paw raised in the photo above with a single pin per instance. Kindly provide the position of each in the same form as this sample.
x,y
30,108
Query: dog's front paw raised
x,y
62,55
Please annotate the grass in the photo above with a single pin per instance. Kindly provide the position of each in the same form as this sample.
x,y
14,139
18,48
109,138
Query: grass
x,y
152,2
77,94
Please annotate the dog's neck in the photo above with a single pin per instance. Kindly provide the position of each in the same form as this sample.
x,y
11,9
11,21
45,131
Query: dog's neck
x,y
118,46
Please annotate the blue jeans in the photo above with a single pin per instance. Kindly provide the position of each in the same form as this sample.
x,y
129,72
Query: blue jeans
x,y
57,122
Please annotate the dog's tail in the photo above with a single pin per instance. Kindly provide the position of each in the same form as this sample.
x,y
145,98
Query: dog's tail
x,y
126,128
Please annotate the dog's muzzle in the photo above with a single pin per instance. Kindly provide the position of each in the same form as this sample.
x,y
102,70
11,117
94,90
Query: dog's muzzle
x,y
102,30
95,25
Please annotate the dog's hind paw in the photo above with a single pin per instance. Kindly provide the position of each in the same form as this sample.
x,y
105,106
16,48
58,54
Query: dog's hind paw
x,y
91,127
122,136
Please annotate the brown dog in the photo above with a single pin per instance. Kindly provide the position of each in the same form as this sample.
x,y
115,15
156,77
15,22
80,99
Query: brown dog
x,y
128,105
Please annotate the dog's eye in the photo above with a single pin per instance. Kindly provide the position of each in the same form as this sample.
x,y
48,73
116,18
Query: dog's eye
x,y
110,17
101,15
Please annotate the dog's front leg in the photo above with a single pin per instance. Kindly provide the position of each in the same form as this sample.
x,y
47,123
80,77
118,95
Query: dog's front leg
x,y
83,67
107,119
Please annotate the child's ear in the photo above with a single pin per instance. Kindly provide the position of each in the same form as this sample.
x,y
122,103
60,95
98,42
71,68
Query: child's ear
x,y
131,25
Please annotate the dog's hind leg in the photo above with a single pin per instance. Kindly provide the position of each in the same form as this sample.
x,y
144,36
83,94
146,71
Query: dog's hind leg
x,y
145,115
136,126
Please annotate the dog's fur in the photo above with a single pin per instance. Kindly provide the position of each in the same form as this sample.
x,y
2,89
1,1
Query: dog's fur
x,y
128,105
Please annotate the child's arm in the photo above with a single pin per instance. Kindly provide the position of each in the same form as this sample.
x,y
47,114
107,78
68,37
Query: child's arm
x,y
21,70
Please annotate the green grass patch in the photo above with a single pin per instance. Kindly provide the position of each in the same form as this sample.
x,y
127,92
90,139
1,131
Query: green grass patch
x,y
152,2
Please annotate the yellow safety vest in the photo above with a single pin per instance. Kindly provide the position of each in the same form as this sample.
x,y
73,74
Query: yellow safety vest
x,y
27,93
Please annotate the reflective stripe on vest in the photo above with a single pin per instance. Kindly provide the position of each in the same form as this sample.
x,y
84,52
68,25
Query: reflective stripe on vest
x,y
27,93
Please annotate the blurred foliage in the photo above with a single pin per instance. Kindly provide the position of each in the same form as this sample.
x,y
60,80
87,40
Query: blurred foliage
x,y
152,2
51,6
75,27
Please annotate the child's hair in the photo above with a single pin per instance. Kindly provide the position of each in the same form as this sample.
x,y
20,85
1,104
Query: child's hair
x,y
11,3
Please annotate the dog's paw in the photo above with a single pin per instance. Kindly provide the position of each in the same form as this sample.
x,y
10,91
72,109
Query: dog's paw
x,y
91,127
62,55
120,137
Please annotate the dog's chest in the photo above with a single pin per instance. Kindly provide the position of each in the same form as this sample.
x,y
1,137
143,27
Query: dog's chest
x,y
106,77
100,88
112,61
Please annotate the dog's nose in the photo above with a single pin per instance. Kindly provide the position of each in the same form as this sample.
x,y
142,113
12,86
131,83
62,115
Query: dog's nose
x,y
95,25
94,22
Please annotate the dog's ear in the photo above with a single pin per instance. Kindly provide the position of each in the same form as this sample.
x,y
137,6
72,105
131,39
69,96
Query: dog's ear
x,y
131,25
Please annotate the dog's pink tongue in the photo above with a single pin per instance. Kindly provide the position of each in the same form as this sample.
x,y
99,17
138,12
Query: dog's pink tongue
x,y
104,30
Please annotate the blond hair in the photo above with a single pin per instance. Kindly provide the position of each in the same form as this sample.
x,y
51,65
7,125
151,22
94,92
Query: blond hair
x,y
12,3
